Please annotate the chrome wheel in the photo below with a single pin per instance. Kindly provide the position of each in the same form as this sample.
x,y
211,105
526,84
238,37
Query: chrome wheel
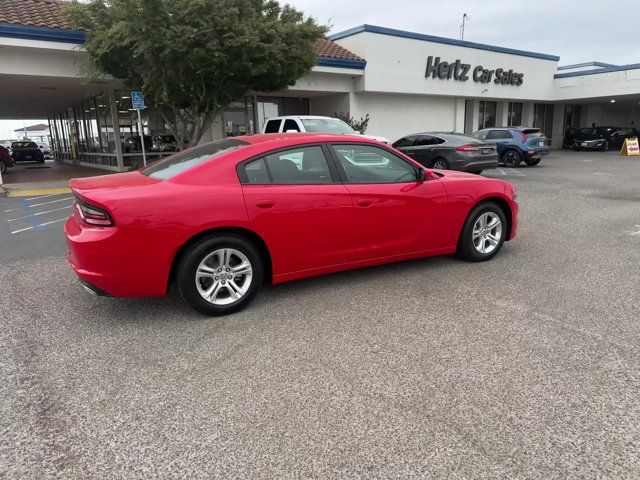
x,y
224,276
440,165
487,233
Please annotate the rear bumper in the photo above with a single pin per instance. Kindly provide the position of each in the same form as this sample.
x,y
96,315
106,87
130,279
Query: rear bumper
x,y
472,164
536,152
120,262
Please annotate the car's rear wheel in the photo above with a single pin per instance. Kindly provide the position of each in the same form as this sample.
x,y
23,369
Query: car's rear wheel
x,y
483,233
512,158
532,161
440,164
220,274
3,167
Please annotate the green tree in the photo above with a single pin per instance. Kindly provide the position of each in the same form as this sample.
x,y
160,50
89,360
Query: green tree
x,y
192,58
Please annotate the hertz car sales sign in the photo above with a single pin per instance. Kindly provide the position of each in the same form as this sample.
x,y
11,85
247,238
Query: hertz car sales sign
x,y
462,72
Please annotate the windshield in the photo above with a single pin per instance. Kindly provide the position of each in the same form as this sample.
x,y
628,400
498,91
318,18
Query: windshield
x,y
180,162
587,131
18,145
327,125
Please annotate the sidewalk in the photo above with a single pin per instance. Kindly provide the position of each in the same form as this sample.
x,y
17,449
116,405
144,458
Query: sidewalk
x,y
28,179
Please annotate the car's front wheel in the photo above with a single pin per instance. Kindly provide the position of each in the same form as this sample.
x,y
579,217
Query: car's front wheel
x,y
605,146
512,158
3,167
220,274
483,233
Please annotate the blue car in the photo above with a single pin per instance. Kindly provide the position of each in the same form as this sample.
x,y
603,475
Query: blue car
x,y
516,144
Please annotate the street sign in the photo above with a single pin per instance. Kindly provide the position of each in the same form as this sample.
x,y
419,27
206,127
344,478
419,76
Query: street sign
x,y
137,100
630,147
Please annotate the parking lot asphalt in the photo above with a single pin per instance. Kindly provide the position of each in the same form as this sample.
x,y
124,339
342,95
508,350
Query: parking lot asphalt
x,y
527,366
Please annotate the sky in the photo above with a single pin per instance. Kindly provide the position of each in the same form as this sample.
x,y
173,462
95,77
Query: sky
x,y
577,31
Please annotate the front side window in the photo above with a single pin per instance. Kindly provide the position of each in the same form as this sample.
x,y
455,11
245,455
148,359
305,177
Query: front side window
x,y
180,162
305,165
369,164
273,126
327,125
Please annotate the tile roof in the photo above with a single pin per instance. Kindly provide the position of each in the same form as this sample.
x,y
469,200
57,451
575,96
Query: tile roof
x,y
330,49
47,14
33,13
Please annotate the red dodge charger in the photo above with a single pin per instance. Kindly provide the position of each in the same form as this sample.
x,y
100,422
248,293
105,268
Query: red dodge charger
x,y
221,218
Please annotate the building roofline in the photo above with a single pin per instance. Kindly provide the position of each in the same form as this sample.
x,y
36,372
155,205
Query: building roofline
x,y
587,64
431,38
341,63
617,68
41,33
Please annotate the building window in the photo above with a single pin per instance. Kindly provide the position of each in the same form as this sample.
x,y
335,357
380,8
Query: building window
x,y
487,117
543,118
514,117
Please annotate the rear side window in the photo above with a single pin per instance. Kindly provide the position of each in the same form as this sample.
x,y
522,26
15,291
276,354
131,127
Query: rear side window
x,y
297,166
180,162
290,125
405,142
428,140
273,126
256,172
532,132
498,134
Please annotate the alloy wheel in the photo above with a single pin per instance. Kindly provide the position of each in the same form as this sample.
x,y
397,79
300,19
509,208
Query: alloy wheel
x,y
224,276
440,165
511,158
487,232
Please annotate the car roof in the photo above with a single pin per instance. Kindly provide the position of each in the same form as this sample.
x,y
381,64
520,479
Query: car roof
x,y
302,117
294,138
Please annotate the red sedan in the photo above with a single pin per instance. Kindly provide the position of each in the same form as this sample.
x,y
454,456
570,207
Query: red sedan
x,y
221,218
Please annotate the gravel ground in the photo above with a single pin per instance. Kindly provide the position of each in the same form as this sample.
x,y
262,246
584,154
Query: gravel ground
x,y
527,366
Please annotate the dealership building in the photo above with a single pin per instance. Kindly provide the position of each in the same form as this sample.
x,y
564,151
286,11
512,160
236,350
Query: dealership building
x,y
406,82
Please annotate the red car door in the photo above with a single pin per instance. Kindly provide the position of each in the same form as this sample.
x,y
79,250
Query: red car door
x,y
395,213
298,205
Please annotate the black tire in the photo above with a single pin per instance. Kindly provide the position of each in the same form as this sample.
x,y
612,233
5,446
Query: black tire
x,y
605,147
512,158
190,260
575,149
439,164
466,246
3,168
532,161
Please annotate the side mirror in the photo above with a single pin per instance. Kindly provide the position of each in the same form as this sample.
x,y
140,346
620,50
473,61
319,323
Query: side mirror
x,y
422,175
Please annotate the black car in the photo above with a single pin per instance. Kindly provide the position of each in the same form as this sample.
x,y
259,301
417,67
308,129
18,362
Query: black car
x,y
618,137
26,152
594,138
133,144
449,151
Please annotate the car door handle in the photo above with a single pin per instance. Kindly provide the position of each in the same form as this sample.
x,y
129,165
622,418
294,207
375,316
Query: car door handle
x,y
265,203
364,202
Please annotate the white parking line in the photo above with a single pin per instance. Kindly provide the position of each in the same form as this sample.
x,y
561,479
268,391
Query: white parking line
x,y
40,213
515,172
31,199
502,172
636,233
41,225
39,204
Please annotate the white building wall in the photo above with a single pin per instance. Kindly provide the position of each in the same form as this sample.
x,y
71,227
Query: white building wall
x,y
394,116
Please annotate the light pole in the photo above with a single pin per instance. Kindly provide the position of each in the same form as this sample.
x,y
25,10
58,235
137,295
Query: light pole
x,y
465,17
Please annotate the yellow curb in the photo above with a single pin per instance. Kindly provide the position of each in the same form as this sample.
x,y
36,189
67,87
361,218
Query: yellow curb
x,y
33,193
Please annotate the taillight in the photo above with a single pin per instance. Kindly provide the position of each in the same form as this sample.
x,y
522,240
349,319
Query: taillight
x,y
524,137
92,215
466,148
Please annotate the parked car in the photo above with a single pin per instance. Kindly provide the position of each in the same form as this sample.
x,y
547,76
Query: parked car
x,y
6,160
164,143
618,137
593,138
26,152
132,144
313,123
222,217
516,144
449,151
46,150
